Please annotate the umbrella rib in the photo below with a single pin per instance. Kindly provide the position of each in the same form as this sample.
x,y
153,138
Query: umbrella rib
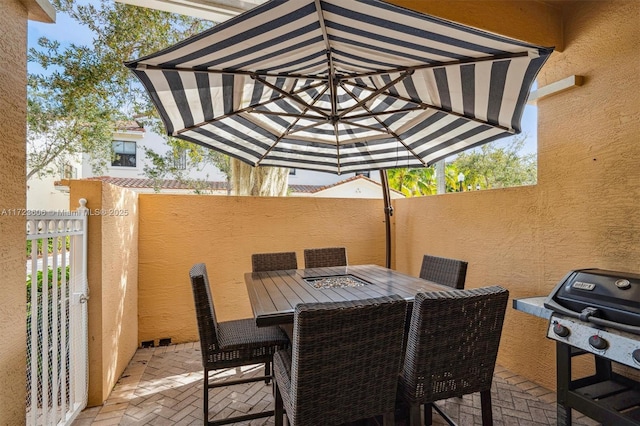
x,y
144,67
388,112
301,115
374,94
291,96
436,65
288,114
391,132
335,132
303,128
247,109
364,126
287,130
333,93
425,106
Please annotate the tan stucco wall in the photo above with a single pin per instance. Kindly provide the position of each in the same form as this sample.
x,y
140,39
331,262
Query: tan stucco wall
x,y
584,212
177,231
13,44
112,277
533,21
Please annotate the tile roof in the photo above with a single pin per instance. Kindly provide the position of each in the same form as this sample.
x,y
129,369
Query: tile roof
x,y
175,184
140,183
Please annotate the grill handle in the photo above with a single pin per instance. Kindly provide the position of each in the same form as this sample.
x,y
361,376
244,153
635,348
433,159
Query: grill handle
x,y
554,306
624,327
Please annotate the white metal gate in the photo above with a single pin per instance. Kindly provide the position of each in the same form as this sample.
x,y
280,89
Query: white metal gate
x,y
57,292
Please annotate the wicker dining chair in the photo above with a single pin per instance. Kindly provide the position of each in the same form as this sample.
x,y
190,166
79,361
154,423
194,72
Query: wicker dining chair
x,y
325,257
452,348
273,261
230,344
450,272
344,362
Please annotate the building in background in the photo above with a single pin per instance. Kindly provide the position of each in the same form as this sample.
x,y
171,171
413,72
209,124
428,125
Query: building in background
x,y
127,165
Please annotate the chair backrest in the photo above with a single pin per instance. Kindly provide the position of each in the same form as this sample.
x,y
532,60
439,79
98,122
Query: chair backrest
x,y
453,343
450,272
205,312
346,359
325,257
273,261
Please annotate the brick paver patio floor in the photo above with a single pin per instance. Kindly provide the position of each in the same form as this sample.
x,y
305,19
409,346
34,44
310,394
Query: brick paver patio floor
x,y
163,386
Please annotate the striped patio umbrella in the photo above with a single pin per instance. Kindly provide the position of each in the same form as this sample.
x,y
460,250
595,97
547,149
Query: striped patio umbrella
x,y
341,86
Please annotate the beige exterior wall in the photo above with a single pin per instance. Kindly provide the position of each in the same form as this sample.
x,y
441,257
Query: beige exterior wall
x,y
13,99
113,282
584,212
538,22
177,231
13,21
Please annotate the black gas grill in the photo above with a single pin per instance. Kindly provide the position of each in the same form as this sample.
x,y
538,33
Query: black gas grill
x,y
597,312
607,298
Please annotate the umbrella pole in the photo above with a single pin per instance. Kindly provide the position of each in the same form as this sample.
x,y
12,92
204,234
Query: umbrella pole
x,y
388,212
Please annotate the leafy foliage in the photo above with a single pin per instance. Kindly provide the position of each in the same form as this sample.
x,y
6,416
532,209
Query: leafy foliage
x,y
40,280
50,250
492,166
489,166
413,182
195,158
75,105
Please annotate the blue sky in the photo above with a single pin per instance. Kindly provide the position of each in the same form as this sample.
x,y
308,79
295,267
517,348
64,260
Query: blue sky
x,y
67,31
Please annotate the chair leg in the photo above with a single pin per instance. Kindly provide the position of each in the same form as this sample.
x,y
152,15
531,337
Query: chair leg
x,y
414,415
388,419
205,402
485,404
267,372
428,414
442,414
279,406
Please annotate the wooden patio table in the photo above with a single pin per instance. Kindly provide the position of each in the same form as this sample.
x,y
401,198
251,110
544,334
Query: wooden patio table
x,y
275,294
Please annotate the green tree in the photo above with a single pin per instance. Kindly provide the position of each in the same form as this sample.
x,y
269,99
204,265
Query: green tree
x,y
413,182
492,166
489,166
73,106
85,90
168,165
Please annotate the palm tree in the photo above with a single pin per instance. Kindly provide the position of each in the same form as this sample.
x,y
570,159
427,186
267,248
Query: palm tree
x,y
413,182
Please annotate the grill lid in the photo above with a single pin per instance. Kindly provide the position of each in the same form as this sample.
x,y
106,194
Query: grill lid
x,y
606,298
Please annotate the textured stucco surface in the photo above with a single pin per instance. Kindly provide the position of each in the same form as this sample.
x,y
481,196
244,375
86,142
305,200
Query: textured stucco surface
x,y
13,21
112,277
119,281
584,211
177,231
532,21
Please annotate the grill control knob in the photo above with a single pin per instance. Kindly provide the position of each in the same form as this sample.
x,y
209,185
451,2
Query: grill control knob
x,y
560,329
636,356
598,342
623,284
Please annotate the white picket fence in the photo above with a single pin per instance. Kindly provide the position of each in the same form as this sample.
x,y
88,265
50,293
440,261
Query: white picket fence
x,y
57,378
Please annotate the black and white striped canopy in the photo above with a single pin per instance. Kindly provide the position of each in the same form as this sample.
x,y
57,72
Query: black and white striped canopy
x,y
341,86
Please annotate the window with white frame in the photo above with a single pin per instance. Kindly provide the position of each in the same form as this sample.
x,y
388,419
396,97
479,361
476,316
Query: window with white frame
x,y
69,172
124,154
